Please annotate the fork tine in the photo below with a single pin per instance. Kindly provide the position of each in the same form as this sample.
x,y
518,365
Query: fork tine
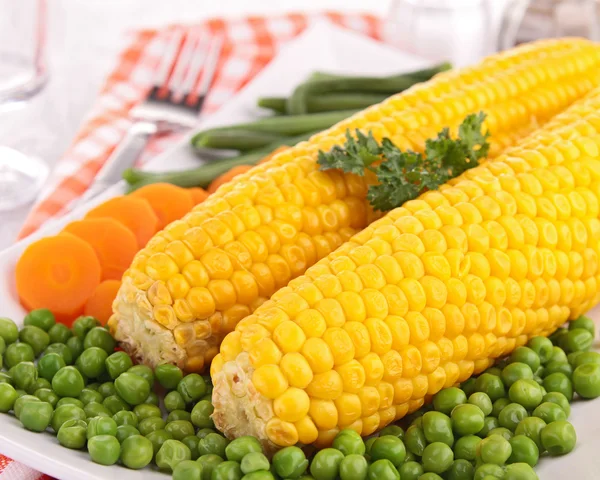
x,y
209,71
198,57
165,66
183,65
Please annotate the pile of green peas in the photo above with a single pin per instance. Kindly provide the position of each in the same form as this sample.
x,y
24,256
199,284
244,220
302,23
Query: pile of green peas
x,y
93,397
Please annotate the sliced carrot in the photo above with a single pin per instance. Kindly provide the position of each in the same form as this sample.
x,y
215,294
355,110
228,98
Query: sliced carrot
x,y
114,243
227,176
198,195
135,213
99,305
168,201
59,273
283,148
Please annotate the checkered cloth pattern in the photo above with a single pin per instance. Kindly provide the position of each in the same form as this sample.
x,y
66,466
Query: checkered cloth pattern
x,y
250,43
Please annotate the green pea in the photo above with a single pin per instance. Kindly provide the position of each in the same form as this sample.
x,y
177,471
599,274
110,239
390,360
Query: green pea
x,y
326,464
187,470
146,410
88,396
520,471
355,467
559,438
389,447
203,432
437,427
524,450
583,358
460,470
152,399
151,424
75,344
465,447
70,401
467,420
72,434
144,372
68,382
494,449
101,338
36,337
132,388
125,431
17,353
192,387
550,412
414,440
91,362
64,413
525,355
25,375
437,458
117,363
95,409
407,471
180,429
468,386
41,383
125,417
491,385
487,471
532,427
558,355
241,446
578,340
171,453
499,405
503,432
542,346
489,423
380,470
511,415
36,416
192,442
526,393
22,400
560,367
168,376
104,449
41,318
583,322
482,401
516,371
101,426
289,462
557,335
349,443
448,398
8,397
201,414
6,378
395,430
227,471
8,330
2,349
59,333
560,400
47,395
107,389
428,476
179,415
494,371
62,350
158,438
82,325
115,404
136,452
216,444
208,463
586,380
174,401
559,382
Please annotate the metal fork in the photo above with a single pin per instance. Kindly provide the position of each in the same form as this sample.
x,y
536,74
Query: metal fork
x,y
173,103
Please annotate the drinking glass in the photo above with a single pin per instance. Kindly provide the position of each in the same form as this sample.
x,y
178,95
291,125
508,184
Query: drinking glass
x,y
22,75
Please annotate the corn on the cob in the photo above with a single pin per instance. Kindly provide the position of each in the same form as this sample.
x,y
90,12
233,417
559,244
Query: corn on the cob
x,y
196,279
424,297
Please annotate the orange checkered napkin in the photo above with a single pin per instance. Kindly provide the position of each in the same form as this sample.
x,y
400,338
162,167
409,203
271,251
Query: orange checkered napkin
x,y
250,43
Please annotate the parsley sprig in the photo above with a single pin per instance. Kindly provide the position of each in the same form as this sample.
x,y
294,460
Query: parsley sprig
x,y
402,176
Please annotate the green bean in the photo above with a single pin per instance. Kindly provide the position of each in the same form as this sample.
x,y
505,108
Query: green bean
x,y
326,102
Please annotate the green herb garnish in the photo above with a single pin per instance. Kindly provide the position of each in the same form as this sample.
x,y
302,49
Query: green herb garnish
x,y
402,176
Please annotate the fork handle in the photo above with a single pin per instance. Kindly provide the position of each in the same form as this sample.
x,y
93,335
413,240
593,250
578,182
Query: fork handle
x,y
122,158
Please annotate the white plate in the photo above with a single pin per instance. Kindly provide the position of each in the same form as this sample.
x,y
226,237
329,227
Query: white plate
x,y
323,47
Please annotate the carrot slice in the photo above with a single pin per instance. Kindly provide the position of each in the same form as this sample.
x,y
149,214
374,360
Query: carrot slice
x,y
99,305
114,243
198,195
135,213
227,176
59,273
168,201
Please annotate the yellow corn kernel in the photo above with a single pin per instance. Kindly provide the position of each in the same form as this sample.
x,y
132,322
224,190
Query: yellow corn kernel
x,y
269,381
292,405
296,369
